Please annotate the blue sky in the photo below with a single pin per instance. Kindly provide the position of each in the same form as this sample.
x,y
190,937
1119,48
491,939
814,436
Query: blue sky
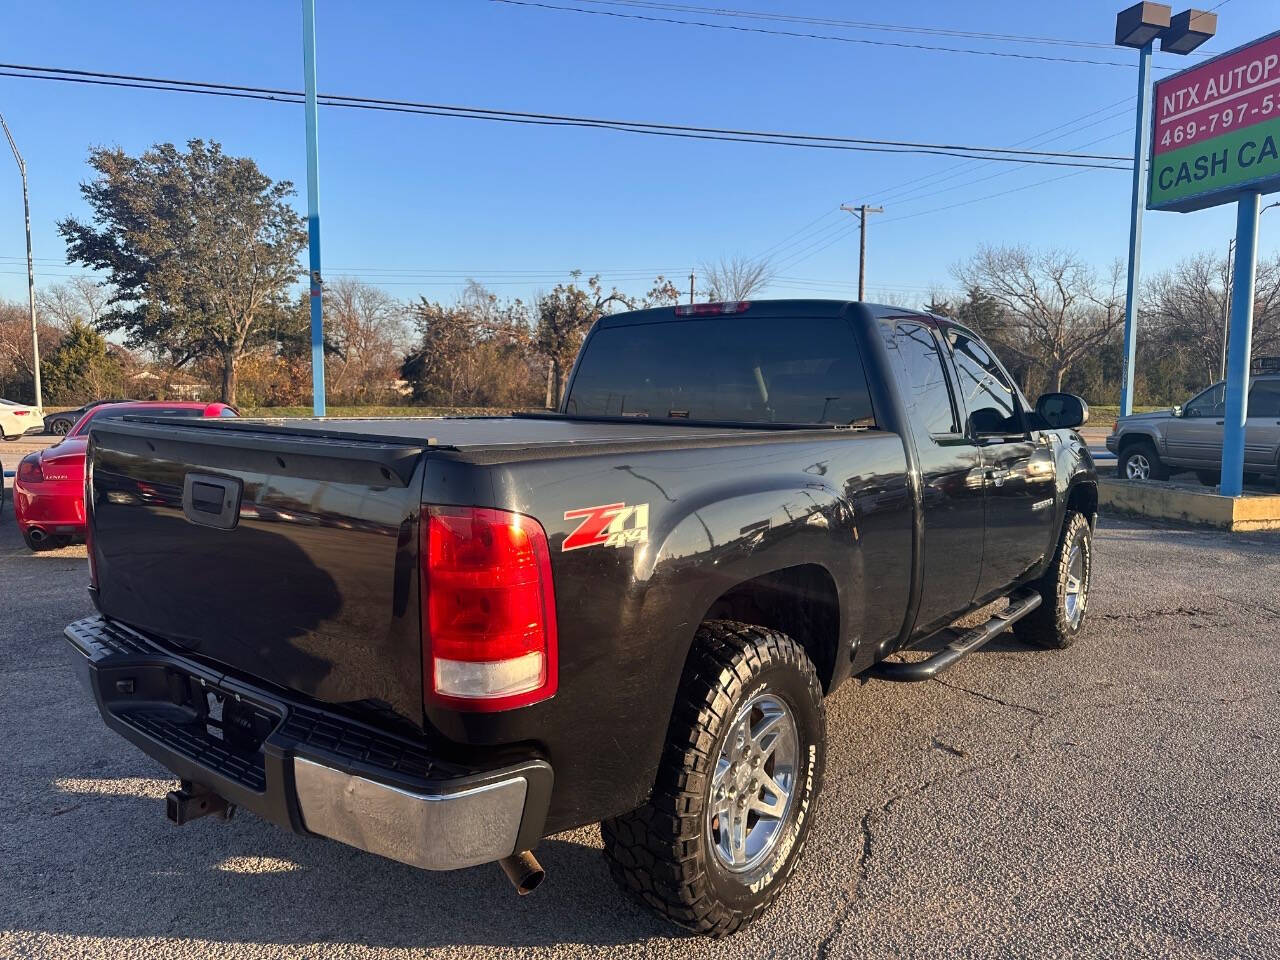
x,y
418,204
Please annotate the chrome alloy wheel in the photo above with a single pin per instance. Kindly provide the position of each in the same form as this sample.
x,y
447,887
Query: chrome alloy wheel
x,y
753,784
1137,467
1076,594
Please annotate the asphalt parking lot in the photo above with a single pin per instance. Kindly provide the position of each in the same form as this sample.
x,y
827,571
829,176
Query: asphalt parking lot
x,y
1121,798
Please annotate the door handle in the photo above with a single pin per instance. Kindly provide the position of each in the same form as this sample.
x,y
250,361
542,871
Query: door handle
x,y
1221,422
998,477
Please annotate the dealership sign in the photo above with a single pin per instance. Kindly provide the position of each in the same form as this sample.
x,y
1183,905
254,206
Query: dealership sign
x,y
1217,129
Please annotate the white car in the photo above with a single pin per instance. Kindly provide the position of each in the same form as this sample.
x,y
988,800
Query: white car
x,y
18,419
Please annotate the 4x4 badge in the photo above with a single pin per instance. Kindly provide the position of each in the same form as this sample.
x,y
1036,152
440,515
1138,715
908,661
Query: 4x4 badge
x,y
610,525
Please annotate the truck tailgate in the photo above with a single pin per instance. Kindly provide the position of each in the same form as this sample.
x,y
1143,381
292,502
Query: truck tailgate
x,y
291,558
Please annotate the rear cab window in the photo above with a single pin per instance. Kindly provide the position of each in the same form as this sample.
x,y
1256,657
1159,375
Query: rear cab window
x,y
733,368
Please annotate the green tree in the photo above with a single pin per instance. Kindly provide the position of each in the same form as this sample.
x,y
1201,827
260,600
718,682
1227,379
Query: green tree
x,y
200,248
80,367
567,313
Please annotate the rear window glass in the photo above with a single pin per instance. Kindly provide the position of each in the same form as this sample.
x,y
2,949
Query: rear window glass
x,y
1264,399
743,368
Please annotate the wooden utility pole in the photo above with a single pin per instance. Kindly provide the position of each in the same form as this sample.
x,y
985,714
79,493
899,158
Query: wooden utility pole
x,y
691,286
861,212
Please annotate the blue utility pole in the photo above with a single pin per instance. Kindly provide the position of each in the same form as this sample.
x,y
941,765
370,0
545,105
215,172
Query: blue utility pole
x,y
1241,345
313,206
1141,144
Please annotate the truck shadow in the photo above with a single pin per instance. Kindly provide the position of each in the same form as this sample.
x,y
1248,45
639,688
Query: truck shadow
x,y
248,881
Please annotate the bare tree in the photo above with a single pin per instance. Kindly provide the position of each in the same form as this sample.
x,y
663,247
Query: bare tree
x,y
1054,305
17,371
369,333
736,278
80,298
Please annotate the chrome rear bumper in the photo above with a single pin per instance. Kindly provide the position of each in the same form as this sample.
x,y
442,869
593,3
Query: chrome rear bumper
x,y
435,831
308,769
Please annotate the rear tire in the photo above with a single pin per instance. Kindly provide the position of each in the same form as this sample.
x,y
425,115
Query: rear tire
x,y
1139,461
1064,589
60,428
736,787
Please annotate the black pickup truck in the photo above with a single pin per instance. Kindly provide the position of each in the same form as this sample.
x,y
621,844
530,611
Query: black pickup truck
x,y
441,640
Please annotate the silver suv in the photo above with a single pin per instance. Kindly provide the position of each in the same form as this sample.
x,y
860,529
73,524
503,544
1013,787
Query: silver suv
x,y
1150,446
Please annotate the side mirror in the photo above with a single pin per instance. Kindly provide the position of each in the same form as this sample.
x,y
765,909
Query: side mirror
x,y
1177,410
1062,410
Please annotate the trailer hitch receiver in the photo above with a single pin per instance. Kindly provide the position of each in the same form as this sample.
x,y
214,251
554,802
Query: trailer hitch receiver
x,y
191,801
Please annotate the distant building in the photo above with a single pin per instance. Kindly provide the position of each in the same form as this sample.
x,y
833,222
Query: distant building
x,y
175,387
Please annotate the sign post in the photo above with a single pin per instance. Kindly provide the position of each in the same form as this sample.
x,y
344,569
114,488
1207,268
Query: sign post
x,y
1241,345
1217,140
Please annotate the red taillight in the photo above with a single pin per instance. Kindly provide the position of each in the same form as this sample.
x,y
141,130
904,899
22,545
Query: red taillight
x,y
88,514
488,609
30,470
21,413
712,309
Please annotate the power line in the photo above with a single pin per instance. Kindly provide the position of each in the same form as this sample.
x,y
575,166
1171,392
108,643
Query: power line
x,y
848,24
804,140
933,48
950,172
908,191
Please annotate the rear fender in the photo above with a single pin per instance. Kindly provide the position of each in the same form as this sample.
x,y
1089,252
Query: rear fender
x,y
728,534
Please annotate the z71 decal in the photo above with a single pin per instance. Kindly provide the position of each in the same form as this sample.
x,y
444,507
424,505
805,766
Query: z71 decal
x,y
610,525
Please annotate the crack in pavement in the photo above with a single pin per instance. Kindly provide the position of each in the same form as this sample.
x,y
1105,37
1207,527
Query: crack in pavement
x,y
990,698
1025,749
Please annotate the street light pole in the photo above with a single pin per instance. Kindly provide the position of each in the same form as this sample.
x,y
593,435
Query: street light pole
x,y
313,207
31,273
1141,142
1139,27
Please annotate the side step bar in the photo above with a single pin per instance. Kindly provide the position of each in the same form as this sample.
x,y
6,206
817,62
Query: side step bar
x,y
1020,604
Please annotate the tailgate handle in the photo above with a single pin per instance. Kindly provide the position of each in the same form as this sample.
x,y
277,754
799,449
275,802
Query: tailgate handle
x,y
211,501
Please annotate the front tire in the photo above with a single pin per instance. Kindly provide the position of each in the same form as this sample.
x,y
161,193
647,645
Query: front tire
x,y
1064,589
59,428
1141,462
736,787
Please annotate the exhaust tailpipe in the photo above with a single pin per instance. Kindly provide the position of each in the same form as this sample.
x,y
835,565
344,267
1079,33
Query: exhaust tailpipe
x,y
524,871
37,535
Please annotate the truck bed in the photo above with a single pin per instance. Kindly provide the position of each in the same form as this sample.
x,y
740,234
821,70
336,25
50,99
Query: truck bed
x,y
311,580
517,430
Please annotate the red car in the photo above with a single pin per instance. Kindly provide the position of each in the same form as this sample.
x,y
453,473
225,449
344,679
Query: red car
x,y
48,488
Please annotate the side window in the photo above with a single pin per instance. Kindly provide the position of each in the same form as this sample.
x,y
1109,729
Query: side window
x,y
1210,403
990,398
927,387
1264,399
